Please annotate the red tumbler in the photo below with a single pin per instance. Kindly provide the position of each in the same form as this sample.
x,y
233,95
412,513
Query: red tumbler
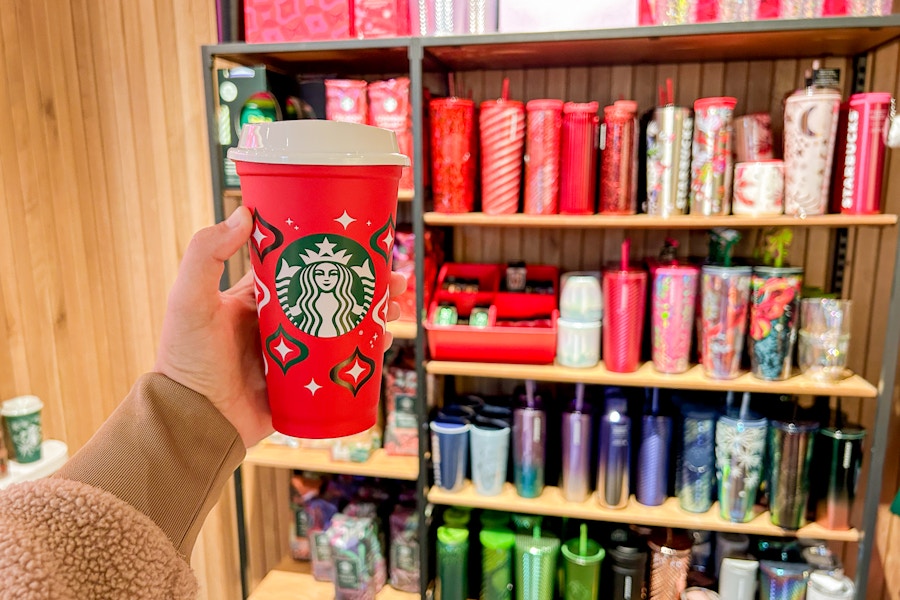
x,y
619,160
453,154
860,160
502,126
624,298
579,155
542,157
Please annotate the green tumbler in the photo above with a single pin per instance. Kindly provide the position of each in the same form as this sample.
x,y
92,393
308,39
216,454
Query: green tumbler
x,y
453,563
582,567
22,416
536,558
496,563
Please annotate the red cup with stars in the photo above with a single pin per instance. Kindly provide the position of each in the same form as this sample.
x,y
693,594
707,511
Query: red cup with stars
x,y
323,195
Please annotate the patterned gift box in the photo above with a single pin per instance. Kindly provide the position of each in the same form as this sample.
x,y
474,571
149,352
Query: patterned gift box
x,y
296,20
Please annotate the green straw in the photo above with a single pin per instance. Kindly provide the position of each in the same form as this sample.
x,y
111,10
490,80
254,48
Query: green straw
x,y
583,540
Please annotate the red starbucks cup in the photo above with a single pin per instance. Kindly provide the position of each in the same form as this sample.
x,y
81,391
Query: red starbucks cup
x,y
324,200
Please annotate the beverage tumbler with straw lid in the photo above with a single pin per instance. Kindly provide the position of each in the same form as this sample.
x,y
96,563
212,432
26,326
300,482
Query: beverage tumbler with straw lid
x,y
323,195
625,567
672,316
542,148
670,560
725,296
453,154
669,138
502,126
624,295
653,456
740,450
536,560
452,563
576,450
774,308
696,481
791,447
497,563
618,160
613,471
712,162
529,445
582,567
578,168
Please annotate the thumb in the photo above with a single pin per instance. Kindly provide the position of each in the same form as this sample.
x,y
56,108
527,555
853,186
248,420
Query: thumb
x,y
204,260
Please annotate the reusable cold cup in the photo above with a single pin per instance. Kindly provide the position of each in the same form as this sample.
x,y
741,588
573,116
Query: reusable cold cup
x,y
782,580
490,457
619,159
536,559
496,563
624,298
670,561
453,154
22,416
696,483
790,452
774,308
711,162
672,316
452,563
810,128
449,451
824,338
725,296
582,569
542,146
324,200
669,138
502,128
578,164
740,449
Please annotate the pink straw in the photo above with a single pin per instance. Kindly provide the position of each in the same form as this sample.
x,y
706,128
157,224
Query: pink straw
x,y
626,250
504,94
670,92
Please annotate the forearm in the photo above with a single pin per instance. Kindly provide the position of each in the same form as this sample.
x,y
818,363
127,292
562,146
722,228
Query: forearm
x,y
166,451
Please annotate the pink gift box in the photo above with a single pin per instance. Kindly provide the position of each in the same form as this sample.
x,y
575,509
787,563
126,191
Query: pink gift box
x,y
566,15
296,20
381,18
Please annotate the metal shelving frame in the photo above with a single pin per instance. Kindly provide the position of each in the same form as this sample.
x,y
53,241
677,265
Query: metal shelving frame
x,y
852,37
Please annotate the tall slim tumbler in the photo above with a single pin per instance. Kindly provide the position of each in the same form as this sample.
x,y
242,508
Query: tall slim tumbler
x,y
740,449
490,458
838,460
725,297
576,455
619,159
712,163
578,161
536,562
452,563
861,162
672,316
542,147
529,451
669,137
615,455
653,460
453,154
790,456
696,483
497,563
774,318
810,128
502,129
624,298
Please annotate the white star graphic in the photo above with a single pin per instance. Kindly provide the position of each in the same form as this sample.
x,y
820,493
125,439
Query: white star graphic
x,y
356,371
325,247
296,227
313,387
369,223
289,221
388,239
283,349
258,236
345,220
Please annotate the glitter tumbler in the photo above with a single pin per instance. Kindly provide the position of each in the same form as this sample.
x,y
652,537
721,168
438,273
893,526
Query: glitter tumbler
x,y
536,559
502,127
670,560
453,154
725,295
712,162
696,481
672,316
618,160
669,137
578,168
740,449
774,316
790,456
542,146
624,296
782,580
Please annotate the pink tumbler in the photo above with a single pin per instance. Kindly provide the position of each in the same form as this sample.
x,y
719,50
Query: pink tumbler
x,y
579,155
453,154
672,316
502,125
542,156
860,163
618,160
624,298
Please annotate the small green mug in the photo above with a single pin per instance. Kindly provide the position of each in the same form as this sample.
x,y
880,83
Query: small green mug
x,y
22,419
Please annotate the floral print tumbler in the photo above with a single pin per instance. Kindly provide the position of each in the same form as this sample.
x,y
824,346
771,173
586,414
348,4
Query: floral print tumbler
x,y
711,165
774,308
725,294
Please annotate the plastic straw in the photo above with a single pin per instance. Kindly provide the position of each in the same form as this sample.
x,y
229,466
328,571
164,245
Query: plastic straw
x,y
670,92
583,540
745,406
579,397
655,402
626,251
529,393
729,401
536,532
504,94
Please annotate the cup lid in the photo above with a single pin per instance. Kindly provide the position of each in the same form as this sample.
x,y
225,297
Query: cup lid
x,y
845,433
21,406
451,100
572,552
544,104
452,535
317,142
723,270
676,269
581,107
870,98
500,103
497,539
725,101
777,271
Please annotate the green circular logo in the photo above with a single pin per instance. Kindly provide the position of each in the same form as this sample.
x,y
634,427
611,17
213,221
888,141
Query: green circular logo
x,y
325,284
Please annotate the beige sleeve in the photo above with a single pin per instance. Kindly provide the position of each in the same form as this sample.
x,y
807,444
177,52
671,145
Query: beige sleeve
x,y
167,451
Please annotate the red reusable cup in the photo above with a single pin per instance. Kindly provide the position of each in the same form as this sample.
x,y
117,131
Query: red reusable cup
x,y
624,300
578,168
542,157
860,159
324,200
619,160
453,154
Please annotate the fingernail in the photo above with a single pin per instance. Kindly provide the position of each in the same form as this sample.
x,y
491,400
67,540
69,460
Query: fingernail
x,y
235,219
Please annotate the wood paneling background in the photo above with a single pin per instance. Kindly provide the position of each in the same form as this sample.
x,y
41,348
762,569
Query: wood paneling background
x,y
104,176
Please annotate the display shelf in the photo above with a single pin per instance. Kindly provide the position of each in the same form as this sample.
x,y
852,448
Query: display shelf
x,y
669,514
750,40
293,579
649,222
403,330
380,464
382,55
647,376
402,195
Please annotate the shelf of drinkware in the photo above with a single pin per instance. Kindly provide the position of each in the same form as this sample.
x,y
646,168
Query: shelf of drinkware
x,y
293,579
669,514
380,464
647,376
402,195
649,222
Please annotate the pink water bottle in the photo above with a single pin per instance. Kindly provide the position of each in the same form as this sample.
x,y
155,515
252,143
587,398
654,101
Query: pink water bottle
x,y
578,168
861,161
542,156
624,298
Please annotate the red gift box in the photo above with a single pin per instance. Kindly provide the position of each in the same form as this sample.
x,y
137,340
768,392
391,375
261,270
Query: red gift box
x,y
381,18
296,20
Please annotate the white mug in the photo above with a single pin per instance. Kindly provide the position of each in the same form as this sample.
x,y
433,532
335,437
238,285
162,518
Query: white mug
x,y
759,188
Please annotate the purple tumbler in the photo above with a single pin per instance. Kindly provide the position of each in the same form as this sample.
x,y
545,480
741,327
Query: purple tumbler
x,y
529,445
576,450
653,457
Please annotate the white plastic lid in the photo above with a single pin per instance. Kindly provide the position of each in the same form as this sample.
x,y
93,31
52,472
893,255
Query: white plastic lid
x,y
317,142
21,406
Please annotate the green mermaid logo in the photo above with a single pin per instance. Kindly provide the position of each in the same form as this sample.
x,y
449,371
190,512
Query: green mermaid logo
x,y
325,284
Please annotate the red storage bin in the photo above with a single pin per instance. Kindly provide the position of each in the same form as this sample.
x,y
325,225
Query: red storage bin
x,y
500,341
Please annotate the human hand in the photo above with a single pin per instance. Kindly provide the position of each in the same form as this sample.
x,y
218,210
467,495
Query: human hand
x,y
210,339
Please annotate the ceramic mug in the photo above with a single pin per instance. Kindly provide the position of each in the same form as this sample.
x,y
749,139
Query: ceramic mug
x,y
759,188
753,137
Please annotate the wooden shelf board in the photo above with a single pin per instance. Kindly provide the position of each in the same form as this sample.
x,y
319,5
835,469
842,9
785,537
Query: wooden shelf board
x,y
402,195
293,579
403,330
552,503
380,464
647,222
382,55
647,376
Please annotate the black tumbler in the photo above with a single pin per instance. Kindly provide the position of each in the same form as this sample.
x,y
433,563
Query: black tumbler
x,y
626,568
838,457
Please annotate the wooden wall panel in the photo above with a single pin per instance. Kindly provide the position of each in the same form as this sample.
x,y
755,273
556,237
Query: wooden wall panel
x,y
104,176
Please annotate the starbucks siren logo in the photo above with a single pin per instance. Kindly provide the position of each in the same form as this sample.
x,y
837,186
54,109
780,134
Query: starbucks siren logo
x,y
325,284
